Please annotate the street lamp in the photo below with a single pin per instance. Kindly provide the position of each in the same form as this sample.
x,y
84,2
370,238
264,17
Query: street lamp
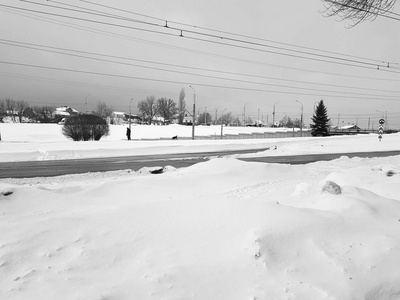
x,y
273,115
194,110
222,121
244,114
216,116
86,102
130,114
301,118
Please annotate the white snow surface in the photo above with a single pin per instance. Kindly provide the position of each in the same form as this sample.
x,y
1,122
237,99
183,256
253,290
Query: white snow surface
x,y
221,229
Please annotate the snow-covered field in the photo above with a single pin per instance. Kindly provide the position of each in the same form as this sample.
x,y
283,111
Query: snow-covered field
x,y
22,142
222,229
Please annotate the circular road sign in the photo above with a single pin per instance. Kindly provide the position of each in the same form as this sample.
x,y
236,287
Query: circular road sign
x,y
381,121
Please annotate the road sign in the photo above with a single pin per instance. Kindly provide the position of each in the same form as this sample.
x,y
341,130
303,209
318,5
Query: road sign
x,y
380,131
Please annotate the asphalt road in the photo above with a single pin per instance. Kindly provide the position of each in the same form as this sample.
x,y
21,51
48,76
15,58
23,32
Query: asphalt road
x,y
47,168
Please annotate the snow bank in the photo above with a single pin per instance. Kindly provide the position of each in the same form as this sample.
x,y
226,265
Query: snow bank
x,y
222,229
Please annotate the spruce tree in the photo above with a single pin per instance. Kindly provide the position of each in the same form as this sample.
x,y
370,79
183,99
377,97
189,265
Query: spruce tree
x,y
321,120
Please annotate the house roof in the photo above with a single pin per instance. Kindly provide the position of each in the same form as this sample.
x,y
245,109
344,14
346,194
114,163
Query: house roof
x,y
65,111
350,126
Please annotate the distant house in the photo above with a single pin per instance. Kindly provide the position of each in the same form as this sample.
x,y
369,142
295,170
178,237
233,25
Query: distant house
x,y
157,120
66,111
117,118
187,119
350,127
345,129
134,118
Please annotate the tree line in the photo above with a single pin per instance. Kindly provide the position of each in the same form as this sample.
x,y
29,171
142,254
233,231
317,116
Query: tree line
x,y
168,109
20,110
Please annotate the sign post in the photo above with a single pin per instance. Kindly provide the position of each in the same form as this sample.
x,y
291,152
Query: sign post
x,y
380,131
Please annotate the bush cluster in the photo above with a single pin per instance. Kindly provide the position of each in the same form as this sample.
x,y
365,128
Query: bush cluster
x,y
85,127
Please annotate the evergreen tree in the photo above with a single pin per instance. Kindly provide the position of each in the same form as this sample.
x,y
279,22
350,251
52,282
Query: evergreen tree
x,y
321,121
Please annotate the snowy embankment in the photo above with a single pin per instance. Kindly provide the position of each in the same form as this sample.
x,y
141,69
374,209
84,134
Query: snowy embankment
x,y
222,229
24,142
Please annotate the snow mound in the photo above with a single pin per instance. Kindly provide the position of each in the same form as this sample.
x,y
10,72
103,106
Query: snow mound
x,y
222,229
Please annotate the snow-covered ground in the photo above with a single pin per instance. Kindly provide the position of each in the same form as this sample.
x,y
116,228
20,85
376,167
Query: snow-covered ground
x,y
222,229
22,142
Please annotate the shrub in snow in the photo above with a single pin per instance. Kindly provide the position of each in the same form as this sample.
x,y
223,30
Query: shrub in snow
x,y
85,127
390,173
331,188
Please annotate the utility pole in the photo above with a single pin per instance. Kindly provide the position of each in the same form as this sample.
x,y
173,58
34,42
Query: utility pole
x,y
222,121
301,119
244,114
273,116
194,110
130,114
86,102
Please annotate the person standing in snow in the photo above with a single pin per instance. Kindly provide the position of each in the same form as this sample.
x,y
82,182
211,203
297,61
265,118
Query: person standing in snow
x,y
128,133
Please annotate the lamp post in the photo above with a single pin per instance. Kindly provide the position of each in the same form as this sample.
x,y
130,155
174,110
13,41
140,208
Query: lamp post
x,y
86,102
194,110
244,114
130,114
216,116
301,118
222,122
273,115
205,116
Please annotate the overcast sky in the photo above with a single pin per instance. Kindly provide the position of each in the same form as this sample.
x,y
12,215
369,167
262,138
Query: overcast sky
x,y
242,56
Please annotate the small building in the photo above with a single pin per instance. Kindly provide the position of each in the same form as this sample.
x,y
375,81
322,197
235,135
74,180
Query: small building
x,y
187,120
157,120
117,118
66,111
134,118
350,127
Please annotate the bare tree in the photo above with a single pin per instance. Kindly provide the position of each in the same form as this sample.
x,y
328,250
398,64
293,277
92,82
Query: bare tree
x,y
181,106
166,108
20,108
148,108
103,110
11,106
3,111
44,114
226,118
204,119
358,10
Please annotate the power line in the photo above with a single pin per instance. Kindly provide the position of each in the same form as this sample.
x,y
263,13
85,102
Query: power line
x,y
86,84
187,83
34,46
226,32
323,58
221,56
91,12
